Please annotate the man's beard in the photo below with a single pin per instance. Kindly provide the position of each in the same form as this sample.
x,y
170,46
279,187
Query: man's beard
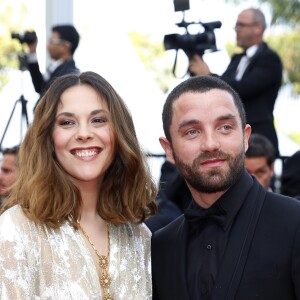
x,y
213,180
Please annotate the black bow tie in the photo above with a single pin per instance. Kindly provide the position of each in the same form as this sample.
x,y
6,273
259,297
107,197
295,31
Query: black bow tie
x,y
195,215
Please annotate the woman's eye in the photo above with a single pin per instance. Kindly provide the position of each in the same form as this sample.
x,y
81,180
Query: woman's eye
x,y
66,122
99,120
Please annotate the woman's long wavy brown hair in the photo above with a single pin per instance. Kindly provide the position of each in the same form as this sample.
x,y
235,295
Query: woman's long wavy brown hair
x,y
44,190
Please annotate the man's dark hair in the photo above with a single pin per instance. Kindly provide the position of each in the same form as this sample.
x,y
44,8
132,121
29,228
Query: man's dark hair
x,y
261,146
198,84
68,33
290,179
13,150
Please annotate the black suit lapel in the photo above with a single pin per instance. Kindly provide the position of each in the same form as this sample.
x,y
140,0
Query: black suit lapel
x,y
252,60
180,265
238,246
230,72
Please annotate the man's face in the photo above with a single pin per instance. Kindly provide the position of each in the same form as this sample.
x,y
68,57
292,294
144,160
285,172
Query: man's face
x,y
58,48
208,141
246,30
9,173
259,168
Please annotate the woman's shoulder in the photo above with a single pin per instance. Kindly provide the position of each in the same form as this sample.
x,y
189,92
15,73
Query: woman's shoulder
x,y
134,230
14,213
14,220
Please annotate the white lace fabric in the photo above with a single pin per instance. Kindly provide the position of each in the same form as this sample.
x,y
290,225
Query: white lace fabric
x,y
38,262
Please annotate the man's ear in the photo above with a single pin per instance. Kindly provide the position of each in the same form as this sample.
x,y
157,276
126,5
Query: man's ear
x,y
247,133
168,149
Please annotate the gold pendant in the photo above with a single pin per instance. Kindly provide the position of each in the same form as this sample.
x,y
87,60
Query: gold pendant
x,y
105,280
103,261
108,297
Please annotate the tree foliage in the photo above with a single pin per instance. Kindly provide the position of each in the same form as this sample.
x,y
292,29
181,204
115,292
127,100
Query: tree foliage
x,y
287,44
152,55
11,21
283,11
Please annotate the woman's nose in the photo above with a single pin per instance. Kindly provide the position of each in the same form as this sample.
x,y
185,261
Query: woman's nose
x,y
84,133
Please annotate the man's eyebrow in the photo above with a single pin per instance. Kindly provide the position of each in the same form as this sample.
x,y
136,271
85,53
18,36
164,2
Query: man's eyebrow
x,y
195,121
227,117
188,122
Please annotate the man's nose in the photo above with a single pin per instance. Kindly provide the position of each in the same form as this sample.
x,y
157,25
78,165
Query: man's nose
x,y
209,142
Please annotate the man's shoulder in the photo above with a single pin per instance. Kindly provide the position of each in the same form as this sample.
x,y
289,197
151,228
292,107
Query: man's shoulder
x,y
282,204
170,229
265,49
66,67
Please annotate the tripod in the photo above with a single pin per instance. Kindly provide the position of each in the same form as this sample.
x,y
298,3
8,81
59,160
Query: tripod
x,y
22,100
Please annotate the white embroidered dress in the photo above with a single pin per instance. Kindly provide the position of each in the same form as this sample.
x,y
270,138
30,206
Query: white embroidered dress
x,y
38,262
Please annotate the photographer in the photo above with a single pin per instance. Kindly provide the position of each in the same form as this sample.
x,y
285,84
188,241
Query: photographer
x,y
255,74
61,46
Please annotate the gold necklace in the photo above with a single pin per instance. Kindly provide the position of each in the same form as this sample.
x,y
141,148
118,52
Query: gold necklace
x,y
105,278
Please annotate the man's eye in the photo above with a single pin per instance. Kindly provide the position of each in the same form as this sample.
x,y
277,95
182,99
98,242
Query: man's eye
x,y
227,127
192,132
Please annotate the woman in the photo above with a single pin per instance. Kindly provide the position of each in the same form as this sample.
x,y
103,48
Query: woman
x,y
72,226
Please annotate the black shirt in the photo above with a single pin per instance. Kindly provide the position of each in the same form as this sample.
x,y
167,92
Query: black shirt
x,y
208,239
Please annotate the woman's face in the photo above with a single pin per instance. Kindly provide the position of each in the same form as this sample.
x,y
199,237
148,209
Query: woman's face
x,y
83,135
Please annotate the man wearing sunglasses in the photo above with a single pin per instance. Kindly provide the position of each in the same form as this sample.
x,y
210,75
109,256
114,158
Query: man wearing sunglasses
x,y
61,46
256,74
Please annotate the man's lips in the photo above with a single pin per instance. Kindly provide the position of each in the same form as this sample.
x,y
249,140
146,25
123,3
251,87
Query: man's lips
x,y
213,161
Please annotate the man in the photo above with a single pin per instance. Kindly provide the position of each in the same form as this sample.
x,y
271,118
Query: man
x,y
290,177
9,171
260,158
61,46
256,74
236,240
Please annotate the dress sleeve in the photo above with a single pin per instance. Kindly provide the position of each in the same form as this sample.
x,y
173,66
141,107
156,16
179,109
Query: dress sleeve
x,y
16,274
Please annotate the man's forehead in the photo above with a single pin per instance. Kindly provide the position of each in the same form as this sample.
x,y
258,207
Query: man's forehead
x,y
8,158
213,97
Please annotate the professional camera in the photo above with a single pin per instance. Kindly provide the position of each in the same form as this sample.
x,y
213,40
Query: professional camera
x,y
27,37
193,43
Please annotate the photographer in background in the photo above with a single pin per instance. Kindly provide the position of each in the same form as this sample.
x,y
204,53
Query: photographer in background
x,y
256,74
260,159
9,171
61,46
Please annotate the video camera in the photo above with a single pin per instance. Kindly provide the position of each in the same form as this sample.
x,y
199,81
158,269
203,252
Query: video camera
x,y
27,37
191,43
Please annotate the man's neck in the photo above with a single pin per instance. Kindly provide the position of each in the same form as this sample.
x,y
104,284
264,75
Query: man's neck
x,y
205,200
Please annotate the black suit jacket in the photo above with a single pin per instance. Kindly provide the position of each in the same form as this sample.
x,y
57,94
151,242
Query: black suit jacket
x,y
260,83
258,89
262,257
40,84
